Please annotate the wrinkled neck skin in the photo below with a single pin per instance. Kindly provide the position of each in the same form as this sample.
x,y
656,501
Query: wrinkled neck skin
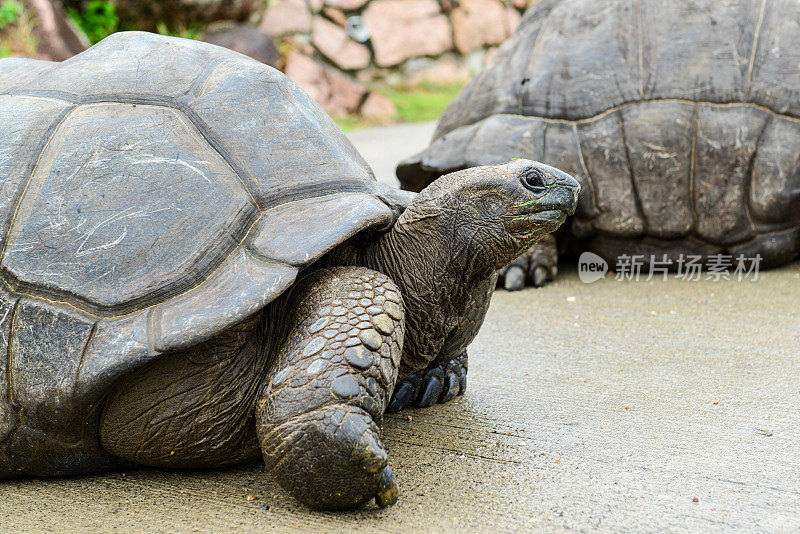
x,y
439,258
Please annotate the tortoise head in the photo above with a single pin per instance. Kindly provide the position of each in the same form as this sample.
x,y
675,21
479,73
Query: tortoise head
x,y
495,213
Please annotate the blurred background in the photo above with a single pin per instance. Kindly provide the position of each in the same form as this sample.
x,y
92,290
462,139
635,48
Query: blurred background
x,y
366,62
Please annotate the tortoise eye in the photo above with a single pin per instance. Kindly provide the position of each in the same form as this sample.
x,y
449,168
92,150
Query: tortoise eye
x,y
535,181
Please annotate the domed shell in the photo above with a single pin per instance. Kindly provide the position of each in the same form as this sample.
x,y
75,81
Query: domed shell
x,y
153,192
576,59
680,119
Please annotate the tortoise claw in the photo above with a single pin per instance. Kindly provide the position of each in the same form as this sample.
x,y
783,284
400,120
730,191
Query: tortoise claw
x,y
388,491
451,387
430,394
440,382
405,394
539,277
514,278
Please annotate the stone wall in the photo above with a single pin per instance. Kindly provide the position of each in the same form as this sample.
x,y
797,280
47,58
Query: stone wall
x,y
332,48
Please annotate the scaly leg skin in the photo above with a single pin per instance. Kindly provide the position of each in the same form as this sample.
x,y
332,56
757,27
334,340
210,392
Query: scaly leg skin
x,y
317,419
535,267
442,381
446,376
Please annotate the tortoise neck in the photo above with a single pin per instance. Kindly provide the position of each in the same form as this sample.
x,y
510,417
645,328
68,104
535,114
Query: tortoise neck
x,y
437,278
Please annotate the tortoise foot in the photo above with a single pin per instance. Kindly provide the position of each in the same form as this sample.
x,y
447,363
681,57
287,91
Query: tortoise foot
x,y
536,267
439,382
333,458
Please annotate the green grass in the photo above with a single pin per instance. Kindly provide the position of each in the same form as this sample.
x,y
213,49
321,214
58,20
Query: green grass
x,y
16,30
348,123
421,103
98,20
10,13
186,33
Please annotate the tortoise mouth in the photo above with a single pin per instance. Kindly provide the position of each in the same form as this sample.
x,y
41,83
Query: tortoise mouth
x,y
546,220
549,216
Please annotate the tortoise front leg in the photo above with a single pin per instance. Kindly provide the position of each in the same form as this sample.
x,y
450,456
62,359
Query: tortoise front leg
x,y
318,417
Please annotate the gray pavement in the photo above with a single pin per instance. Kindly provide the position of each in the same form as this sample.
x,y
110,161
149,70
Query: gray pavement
x,y
609,411
383,148
603,407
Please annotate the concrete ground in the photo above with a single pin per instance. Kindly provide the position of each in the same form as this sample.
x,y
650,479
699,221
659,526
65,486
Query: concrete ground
x,y
615,406
384,147
601,407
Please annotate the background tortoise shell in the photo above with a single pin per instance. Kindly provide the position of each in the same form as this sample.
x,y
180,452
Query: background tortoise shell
x,y
681,120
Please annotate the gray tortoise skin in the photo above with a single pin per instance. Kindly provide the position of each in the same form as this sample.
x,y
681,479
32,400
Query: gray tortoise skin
x,y
199,270
680,119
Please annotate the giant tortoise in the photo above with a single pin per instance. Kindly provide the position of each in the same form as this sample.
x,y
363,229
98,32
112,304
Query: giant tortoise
x,y
680,118
198,270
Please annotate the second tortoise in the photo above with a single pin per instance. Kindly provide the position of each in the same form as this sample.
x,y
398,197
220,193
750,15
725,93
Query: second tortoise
x,y
680,119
